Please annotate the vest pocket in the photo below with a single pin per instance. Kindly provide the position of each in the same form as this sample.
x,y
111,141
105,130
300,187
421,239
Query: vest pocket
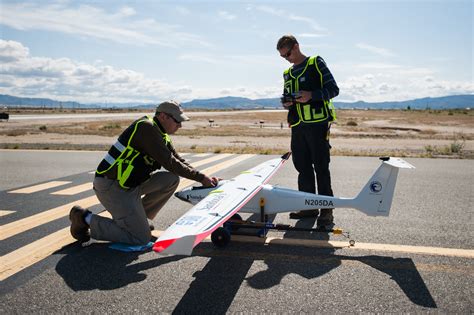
x,y
318,113
307,112
313,113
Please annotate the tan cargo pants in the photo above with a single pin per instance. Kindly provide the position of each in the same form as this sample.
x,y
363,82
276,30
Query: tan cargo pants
x,y
131,208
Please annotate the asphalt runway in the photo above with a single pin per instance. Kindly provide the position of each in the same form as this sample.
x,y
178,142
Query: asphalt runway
x,y
419,259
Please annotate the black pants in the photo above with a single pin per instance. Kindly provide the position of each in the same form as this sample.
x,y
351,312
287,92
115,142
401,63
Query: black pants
x,y
310,149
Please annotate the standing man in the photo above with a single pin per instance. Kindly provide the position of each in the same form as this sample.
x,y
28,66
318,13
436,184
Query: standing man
x,y
127,173
308,89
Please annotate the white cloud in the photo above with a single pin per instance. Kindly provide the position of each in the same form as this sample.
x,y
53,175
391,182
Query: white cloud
x,y
126,11
122,26
309,35
270,10
12,51
318,29
226,15
22,74
312,23
389,82
376,50
377,66
64,79
201,58
183,11
229,60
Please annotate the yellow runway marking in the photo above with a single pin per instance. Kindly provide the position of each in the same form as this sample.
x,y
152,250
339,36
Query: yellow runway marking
x,y
211,159
39,249
36,188
225,164
28,255
74,190
14,228
453,252
11,229
215,168
424,250
5,212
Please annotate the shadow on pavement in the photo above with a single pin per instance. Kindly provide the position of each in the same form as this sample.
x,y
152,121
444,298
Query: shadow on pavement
x,y
215,286
97,267
227,269
402,270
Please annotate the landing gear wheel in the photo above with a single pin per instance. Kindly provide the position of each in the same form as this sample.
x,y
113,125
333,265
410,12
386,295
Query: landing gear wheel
x,y
233,226
236,217
220,237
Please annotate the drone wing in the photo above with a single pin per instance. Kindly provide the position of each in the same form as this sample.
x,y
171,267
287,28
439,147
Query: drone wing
x,y
214,210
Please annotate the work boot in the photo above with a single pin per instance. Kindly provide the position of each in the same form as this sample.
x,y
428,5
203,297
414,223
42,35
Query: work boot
x,y
304,214
79,228
326,219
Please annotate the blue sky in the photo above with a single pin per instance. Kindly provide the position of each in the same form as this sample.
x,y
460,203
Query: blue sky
x,y
149,51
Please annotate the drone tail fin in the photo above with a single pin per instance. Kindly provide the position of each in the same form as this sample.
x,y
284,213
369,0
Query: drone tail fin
x,y
375,199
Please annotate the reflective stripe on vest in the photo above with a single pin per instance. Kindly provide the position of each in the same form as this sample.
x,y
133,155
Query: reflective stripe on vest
x,y
109,158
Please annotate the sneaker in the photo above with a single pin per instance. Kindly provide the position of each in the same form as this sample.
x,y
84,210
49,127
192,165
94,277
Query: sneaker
x,y
79,228
326,219
304,214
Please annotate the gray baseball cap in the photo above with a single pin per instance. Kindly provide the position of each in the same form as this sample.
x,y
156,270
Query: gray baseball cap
x,y
172,108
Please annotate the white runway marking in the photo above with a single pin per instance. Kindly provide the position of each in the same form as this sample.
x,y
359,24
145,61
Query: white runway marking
x,y
5,212
23,257
74,190
40,187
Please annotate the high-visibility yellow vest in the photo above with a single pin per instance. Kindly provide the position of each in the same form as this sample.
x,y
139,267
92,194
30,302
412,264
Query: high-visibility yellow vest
x,y
307,80
133,167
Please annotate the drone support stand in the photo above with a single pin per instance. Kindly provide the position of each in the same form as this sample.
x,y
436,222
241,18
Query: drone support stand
x,y
264,226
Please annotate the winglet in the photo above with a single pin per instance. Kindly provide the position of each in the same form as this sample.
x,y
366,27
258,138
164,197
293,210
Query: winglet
x,y
176,246
160,246
397,162
286,156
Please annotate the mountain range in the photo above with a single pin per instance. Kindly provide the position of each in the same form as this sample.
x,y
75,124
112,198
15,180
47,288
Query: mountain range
x,y
231,102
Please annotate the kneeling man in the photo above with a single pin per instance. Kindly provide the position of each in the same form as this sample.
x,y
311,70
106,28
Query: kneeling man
x,y
128,184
